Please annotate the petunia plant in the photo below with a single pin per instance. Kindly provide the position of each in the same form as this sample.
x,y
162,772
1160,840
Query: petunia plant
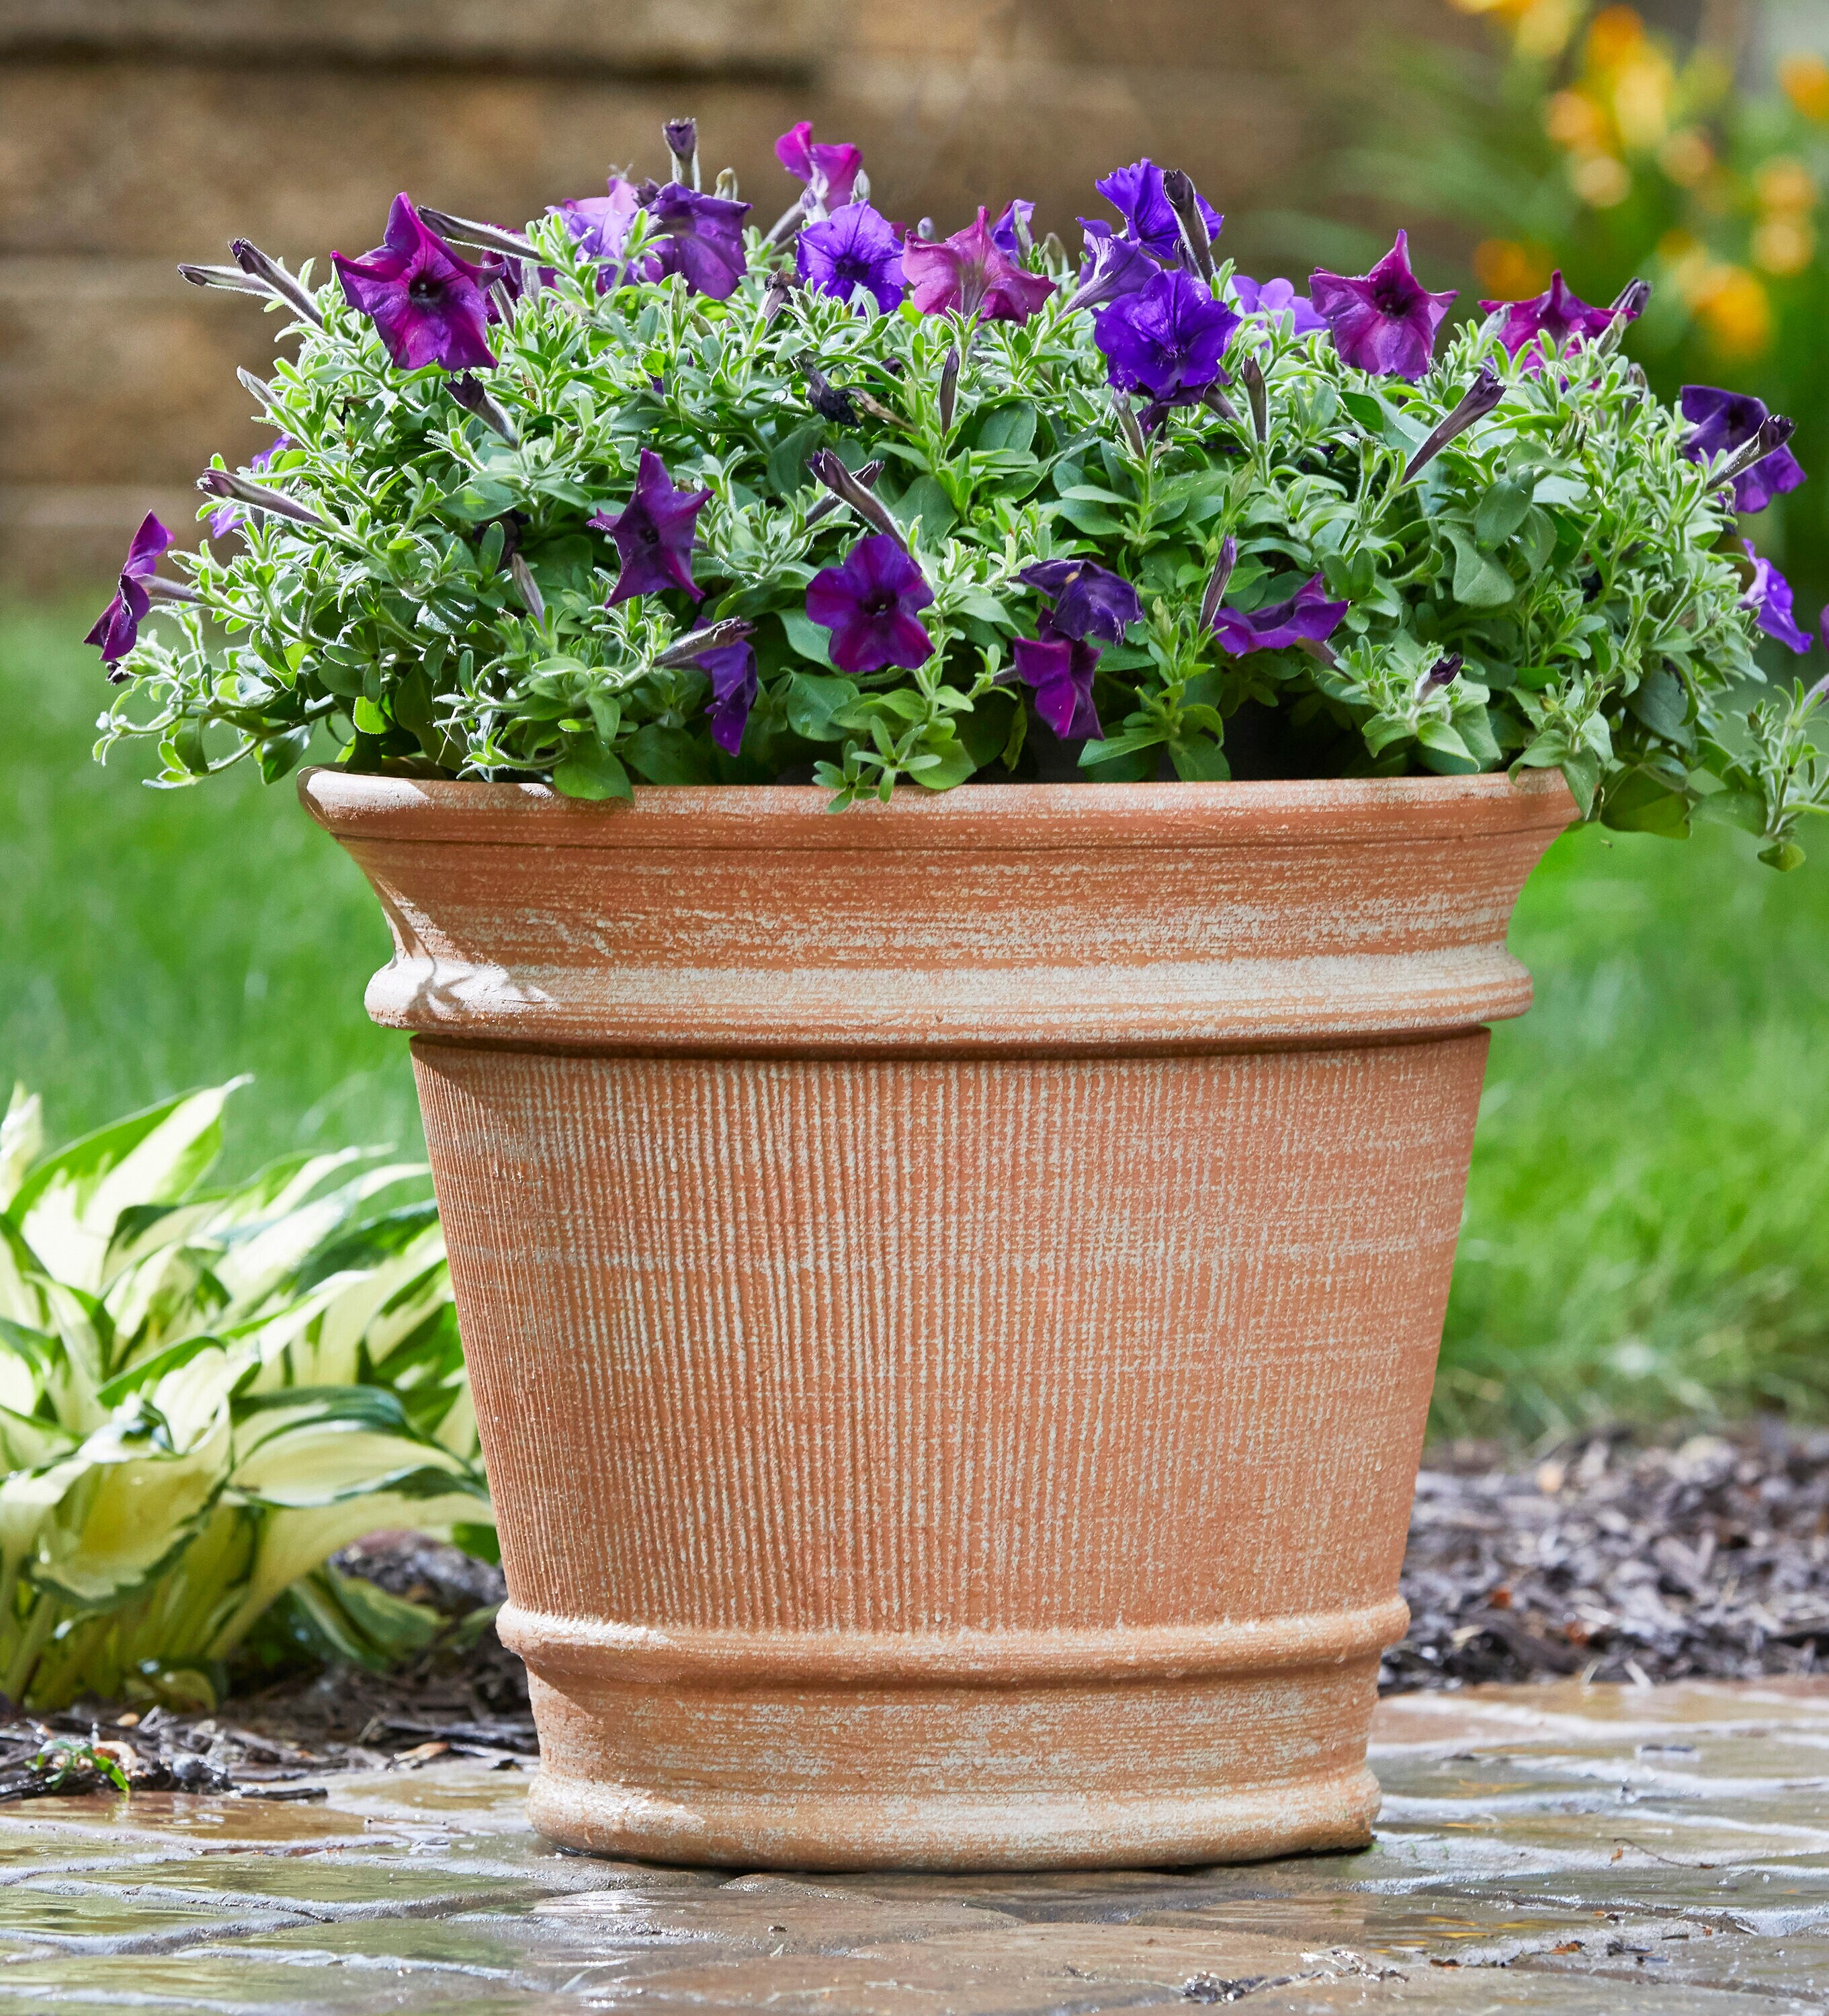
x,y
644,492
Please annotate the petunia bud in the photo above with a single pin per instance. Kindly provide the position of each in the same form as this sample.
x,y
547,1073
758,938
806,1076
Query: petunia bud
x,y
231,280
725,189
1218,580
1128,422
1627,308
867,476
523,577
948,389
681,136
1773,434
860,187
831,402
1196,246
224,483
1212,396
775,299
472,395
258,387
1478,400
161,590
466,231
252,260
828,470
714,637
1445,670
1251,375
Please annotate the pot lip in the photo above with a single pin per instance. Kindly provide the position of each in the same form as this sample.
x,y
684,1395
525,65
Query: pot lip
x,y
1021,817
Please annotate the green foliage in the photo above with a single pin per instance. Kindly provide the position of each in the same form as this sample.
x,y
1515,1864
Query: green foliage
x,y
204,1395
1563,548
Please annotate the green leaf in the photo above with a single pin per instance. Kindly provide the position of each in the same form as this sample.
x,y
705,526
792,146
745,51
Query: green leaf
x,y
1011,427
478,500
1744,809
1660,701
1501,511
1479,582
788,458
1783,855
810,639
1368,410
1640,801
955,766
1198,759
925,499
590,771
813,704
667,756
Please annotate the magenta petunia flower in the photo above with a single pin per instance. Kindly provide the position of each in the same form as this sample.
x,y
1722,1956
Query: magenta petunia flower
x,y
1308,616
1089,600
701,236
1724,423
970,272
1384,322
117,629
1137,195
428,305
654,534
1010,233
829,170
1166,340
1770,600
1059,670
870,603
733,671
225,520
856,246
1276,297
1549,319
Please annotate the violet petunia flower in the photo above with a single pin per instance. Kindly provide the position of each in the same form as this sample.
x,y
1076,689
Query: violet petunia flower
x,y
654,534
699,237
1060,669
870,603
1276,297
1307,616
225,520
856,246
117,629
601,225
971,273
828,171
1550,319
1166,340
1137,195
733,671
1770,600
1089,600
1010,233
1112,266
1724,423
428,305
1384,322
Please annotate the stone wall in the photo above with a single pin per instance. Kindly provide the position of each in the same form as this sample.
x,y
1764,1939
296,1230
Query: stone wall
x,y
134,133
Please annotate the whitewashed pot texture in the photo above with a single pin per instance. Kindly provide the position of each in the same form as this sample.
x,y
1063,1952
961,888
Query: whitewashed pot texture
x,y
951,1289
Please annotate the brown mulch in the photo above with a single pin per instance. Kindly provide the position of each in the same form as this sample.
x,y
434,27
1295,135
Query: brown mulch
x,y
1705,1558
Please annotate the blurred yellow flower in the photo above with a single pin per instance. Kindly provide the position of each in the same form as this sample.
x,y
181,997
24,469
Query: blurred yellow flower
x,y
1538,27
1572,120
1784,245
1785,185
1510,271
1732,306
1804,80
1641,98
1687,157
1615,34
1601,181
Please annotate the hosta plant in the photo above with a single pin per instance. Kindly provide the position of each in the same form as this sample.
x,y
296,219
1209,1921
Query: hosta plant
x,y
204,1393
642,492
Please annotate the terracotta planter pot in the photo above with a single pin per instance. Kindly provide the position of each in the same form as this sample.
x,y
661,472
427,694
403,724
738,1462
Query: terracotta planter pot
x,y
952,1290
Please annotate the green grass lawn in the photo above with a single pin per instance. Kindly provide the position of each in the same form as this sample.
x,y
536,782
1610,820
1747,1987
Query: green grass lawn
x,y
1647,1232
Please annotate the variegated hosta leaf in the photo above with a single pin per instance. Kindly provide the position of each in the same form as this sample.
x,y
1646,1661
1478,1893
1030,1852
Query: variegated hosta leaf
x,y
315,1446
22,1141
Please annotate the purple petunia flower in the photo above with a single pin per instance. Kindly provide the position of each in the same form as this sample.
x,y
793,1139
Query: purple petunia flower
x,y
654,534
856,246
1111,267
1725,423
1770,600
733,671
1137,195
226,519
1276,297
700,236
600,224
1089,600
870,603
428,305
1010,233
1384,322
117,629
1166,340
828,171
1307,616
970,272
1060,669
1551,318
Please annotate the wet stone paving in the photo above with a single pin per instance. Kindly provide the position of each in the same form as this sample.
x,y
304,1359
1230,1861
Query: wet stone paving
x,y
1558,1847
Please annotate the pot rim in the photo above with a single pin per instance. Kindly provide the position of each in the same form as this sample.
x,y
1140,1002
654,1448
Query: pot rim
x,y
1024,817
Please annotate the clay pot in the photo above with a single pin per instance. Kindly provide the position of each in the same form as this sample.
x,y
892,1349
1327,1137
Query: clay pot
x,y
951,1289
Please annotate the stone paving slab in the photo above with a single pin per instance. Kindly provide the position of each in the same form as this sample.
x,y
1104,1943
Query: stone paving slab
x,y
1559,1850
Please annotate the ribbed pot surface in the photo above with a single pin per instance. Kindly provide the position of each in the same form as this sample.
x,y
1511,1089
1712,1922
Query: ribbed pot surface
x,y
951,1289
